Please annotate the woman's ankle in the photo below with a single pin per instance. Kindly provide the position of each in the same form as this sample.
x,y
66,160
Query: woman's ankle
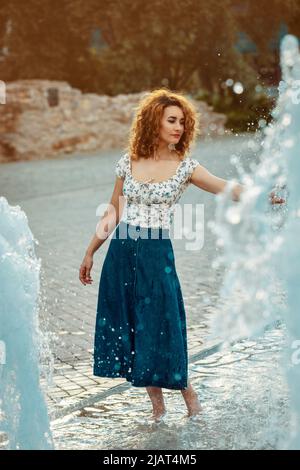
x,y
158,408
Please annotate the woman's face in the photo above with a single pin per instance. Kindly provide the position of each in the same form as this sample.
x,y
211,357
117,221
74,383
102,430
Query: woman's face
x,y
172,124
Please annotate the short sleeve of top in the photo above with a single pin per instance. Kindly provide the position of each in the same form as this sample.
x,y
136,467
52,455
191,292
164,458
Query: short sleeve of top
x,y
120,168
192,164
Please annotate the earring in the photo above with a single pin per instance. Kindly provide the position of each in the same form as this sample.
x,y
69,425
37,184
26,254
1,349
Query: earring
x,y
171,146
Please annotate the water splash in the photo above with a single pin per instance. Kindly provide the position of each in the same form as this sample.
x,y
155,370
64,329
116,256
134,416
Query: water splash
x,y
288,256
259,241
23,412
251,296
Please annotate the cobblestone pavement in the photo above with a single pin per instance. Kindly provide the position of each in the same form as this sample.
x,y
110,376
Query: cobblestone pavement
x,y
60,197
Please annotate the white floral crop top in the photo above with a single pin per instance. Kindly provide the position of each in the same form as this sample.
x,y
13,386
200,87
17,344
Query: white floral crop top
x,y
153,204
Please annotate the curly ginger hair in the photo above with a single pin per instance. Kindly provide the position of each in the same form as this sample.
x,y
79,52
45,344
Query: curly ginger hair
x,y
144,132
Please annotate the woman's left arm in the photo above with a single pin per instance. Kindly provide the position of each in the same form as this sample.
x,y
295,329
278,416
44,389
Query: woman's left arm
x,y
205,180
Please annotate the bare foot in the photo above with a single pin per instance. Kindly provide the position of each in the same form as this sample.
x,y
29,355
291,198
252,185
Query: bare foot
x,y
158,414
192,402
195,412
194,406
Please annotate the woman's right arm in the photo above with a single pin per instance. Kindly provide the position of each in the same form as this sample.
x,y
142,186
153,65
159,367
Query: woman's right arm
x,y
105,227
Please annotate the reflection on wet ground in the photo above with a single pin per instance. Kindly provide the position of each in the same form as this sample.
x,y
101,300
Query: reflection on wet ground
x,y
243,394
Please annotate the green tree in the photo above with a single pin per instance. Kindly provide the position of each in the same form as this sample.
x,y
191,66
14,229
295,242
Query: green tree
x,y
163,41
38,40
148,43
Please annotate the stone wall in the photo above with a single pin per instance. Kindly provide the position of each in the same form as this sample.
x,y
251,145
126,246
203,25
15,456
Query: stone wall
x,y
37,122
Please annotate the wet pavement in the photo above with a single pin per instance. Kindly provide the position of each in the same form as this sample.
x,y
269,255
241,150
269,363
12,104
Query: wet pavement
x,y
244,400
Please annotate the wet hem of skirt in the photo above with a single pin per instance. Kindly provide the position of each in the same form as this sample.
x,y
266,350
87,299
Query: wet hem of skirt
x,y
144,384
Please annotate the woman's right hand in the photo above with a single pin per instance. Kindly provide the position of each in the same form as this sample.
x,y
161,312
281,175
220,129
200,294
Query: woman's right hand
x,y
85,270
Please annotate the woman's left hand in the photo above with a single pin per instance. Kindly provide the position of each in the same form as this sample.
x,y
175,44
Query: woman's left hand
x,y
276,200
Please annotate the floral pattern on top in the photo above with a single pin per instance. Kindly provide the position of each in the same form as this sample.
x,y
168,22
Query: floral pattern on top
x,y
153,204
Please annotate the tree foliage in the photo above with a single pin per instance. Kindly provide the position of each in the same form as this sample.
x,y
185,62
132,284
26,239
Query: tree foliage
x,y
184,45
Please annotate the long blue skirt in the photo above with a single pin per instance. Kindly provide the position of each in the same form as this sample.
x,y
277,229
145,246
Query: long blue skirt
x,y
140,331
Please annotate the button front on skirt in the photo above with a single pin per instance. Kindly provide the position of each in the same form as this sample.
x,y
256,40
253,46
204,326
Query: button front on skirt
x,y
140,329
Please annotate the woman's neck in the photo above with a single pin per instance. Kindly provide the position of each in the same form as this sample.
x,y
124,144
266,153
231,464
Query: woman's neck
x,y
163,152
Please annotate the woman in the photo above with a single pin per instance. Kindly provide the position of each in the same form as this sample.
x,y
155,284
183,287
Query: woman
x,y
140,329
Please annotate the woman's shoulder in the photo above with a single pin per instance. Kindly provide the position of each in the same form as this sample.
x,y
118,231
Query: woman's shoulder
x,y
122,165
124,157
190,164
193,162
